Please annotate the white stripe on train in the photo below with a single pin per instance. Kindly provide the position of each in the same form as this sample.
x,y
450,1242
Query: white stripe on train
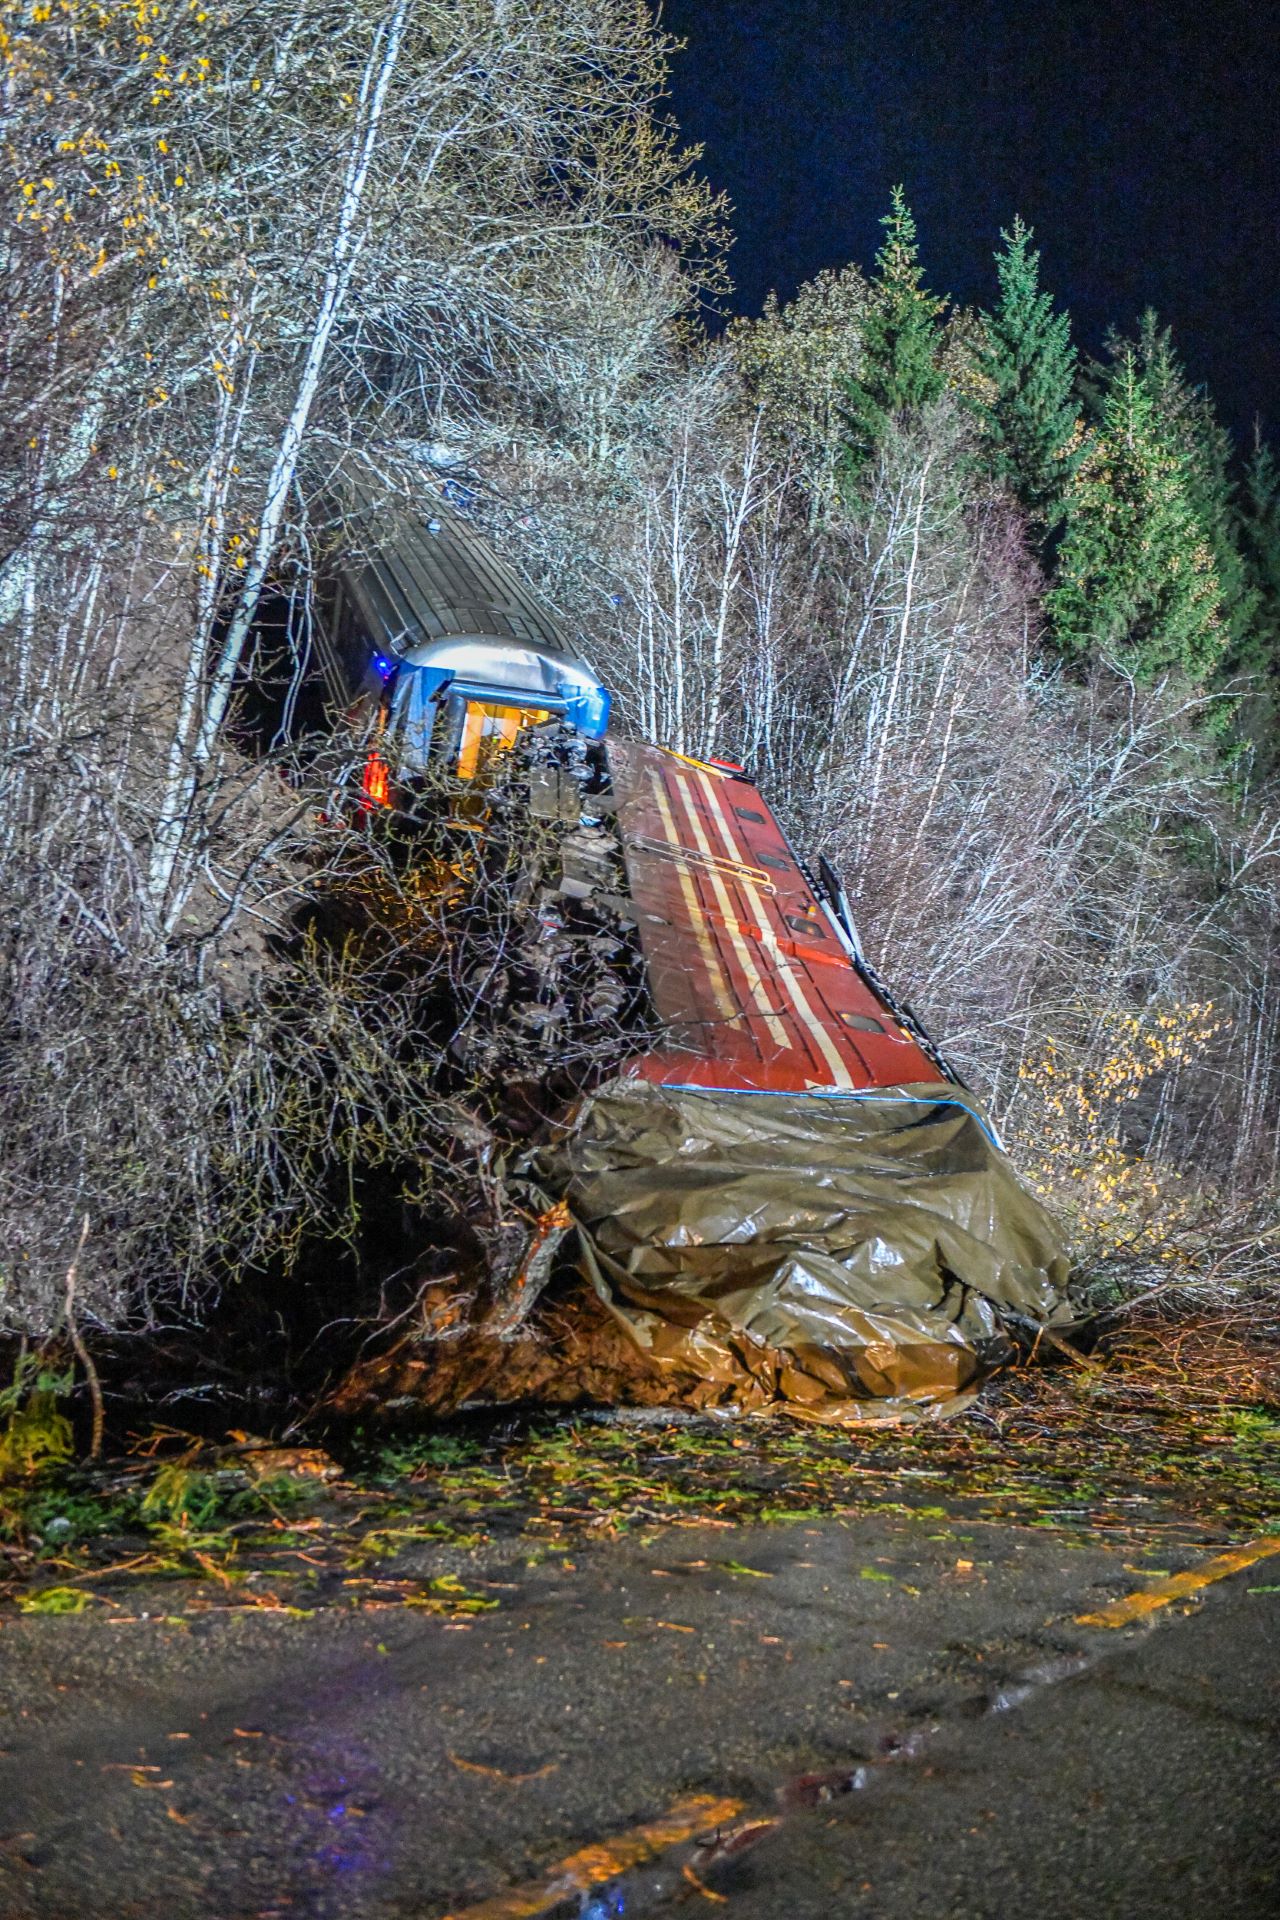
x,y
840,1072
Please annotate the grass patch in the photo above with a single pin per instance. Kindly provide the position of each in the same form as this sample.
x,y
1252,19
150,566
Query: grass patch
x,y
54,1600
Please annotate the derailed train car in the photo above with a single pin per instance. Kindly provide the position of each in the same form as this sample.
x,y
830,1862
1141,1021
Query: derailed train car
x,y
790,1201
458,652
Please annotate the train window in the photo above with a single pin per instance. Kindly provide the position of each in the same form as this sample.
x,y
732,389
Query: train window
x,y
749,813
774,860
863,1023
798,924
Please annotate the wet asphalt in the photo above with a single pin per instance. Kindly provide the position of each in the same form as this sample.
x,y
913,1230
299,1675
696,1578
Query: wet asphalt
x,y
906,1715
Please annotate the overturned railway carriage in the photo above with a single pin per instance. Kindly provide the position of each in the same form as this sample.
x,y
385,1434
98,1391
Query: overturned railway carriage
x,y
789,1200
459,652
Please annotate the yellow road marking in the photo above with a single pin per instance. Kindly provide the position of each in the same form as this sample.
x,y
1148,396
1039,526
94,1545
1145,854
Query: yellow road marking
x,y
593,1866
1178,1585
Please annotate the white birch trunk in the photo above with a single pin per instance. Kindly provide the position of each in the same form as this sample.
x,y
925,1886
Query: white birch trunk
x,y
191,759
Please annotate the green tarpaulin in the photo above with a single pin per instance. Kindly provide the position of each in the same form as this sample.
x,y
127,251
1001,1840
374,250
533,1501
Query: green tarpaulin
x,y
820,1252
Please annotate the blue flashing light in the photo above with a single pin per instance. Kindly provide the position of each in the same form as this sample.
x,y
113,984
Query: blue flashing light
x,y
383,667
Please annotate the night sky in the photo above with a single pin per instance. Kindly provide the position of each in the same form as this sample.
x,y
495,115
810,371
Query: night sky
x,y
1139,139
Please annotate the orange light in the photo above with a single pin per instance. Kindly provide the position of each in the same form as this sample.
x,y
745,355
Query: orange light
x,y
376,785
490,729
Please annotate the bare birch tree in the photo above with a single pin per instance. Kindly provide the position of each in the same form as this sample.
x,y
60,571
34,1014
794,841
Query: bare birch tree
x,y
240,248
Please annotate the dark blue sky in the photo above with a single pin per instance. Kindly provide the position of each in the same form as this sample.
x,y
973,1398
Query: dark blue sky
x,y
1138,137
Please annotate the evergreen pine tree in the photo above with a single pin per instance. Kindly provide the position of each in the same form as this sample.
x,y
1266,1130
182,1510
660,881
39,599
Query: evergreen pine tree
x,y
1256,654
1136,579
1185,415
1259,531
1252,663
1025,399
898,369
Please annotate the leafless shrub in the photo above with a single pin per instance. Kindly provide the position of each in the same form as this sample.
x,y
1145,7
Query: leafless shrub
x,y
237,249
416,1001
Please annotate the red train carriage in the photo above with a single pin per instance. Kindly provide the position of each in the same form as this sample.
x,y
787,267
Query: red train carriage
x,y
755,979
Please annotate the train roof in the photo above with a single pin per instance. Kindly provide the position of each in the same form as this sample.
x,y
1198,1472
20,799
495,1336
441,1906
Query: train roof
x,y
417,576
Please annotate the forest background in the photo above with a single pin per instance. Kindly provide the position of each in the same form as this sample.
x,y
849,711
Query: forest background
x,y
998,628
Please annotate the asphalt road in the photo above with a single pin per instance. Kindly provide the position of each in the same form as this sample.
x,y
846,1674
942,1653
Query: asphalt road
x,y
883,1716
